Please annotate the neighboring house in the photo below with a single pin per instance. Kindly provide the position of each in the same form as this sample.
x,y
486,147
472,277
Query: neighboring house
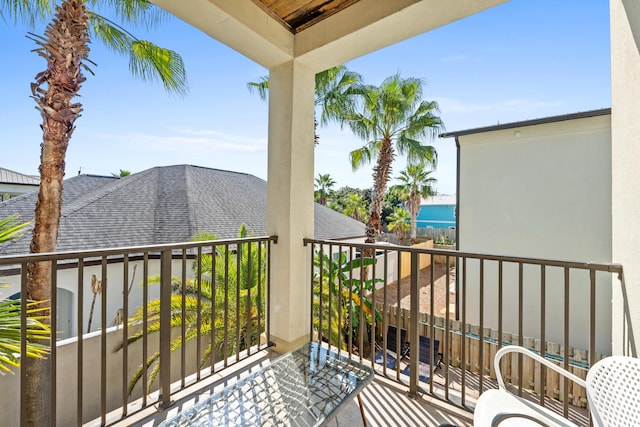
x,y
13,184
160,205
538,189
437,212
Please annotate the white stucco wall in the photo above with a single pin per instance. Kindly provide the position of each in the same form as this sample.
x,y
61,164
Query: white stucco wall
x,y
539,191
625,105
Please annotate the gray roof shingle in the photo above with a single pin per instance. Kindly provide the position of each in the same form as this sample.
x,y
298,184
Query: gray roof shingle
x,y
166,204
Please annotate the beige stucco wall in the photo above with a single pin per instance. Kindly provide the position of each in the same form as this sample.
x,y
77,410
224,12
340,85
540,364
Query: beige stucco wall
x,y
541,192
625,104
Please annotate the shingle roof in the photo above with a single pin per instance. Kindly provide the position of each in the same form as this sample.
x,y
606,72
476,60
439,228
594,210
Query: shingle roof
x,y
10,177
163,205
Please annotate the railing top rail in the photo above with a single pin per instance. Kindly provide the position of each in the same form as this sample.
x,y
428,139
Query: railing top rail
x,y
610,267
57,256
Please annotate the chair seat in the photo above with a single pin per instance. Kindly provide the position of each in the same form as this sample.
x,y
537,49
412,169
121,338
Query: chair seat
x,y
497,403
392,358
423,372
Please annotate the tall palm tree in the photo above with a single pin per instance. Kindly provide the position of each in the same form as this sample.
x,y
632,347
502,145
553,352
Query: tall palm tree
x,y
65,48
10,328
332,93
393,119
416,184
324,184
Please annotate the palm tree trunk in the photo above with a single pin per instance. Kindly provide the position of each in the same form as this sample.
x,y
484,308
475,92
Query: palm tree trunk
x,y
64,47
381,176
415,207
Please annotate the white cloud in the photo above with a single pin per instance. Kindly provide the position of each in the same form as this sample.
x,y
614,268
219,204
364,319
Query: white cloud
x,y
180,139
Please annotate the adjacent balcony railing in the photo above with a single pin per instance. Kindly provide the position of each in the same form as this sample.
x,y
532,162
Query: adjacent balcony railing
x,y
466,306
137,321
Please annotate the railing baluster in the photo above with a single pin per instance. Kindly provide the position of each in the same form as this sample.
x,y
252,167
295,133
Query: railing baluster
x,y
446,332
520,323
165,329
481,302
463,344
103,341
183,316
125,332
80,346
413,326
565,394
543,329
199,313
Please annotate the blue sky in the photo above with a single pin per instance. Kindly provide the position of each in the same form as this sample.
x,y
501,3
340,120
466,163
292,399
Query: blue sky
x,y
521,60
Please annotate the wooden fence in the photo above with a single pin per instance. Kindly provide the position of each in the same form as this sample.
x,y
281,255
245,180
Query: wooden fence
x,y
552,382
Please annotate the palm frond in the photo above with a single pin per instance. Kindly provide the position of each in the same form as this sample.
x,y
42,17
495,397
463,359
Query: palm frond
x,y
139,13
147,61
260,87
11,228
28,12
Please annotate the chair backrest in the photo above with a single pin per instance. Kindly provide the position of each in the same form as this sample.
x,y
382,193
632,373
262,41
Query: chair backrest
x,y
392,338
425,355
613,391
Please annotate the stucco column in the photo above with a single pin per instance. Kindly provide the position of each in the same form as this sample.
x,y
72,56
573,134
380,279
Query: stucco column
x,y
625,156
290,200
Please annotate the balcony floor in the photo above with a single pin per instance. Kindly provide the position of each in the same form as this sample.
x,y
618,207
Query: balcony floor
x,y
386,402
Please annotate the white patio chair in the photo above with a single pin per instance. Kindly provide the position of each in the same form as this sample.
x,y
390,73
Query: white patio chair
x,y
613,393
500,407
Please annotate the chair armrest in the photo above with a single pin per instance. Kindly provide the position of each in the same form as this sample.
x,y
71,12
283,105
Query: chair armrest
x,y
537,358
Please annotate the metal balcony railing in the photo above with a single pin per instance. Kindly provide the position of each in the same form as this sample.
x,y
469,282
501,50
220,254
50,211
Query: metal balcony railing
x,y
181,313
465,306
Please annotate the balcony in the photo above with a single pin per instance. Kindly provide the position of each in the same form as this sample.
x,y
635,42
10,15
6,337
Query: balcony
x,y
478,304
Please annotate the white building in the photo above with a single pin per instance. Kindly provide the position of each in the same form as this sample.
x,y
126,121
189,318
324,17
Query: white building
x,y
539,189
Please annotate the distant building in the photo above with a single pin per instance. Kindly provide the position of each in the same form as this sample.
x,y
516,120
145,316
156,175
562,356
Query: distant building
x,y
437,212
13,184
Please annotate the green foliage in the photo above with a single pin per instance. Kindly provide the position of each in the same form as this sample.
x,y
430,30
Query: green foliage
x,y
122,174
340,199
391,201
10,333
11,228
10,329
399,222
444,240
340,295
206,299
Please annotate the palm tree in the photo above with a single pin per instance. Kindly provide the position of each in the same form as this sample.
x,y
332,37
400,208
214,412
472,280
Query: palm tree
x,y
244,273
355,206
399,222
332,93
416,184
324,184
393,119
10,329
65,48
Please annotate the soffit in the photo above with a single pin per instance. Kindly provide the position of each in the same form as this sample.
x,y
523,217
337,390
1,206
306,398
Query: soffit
x,y
296,15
